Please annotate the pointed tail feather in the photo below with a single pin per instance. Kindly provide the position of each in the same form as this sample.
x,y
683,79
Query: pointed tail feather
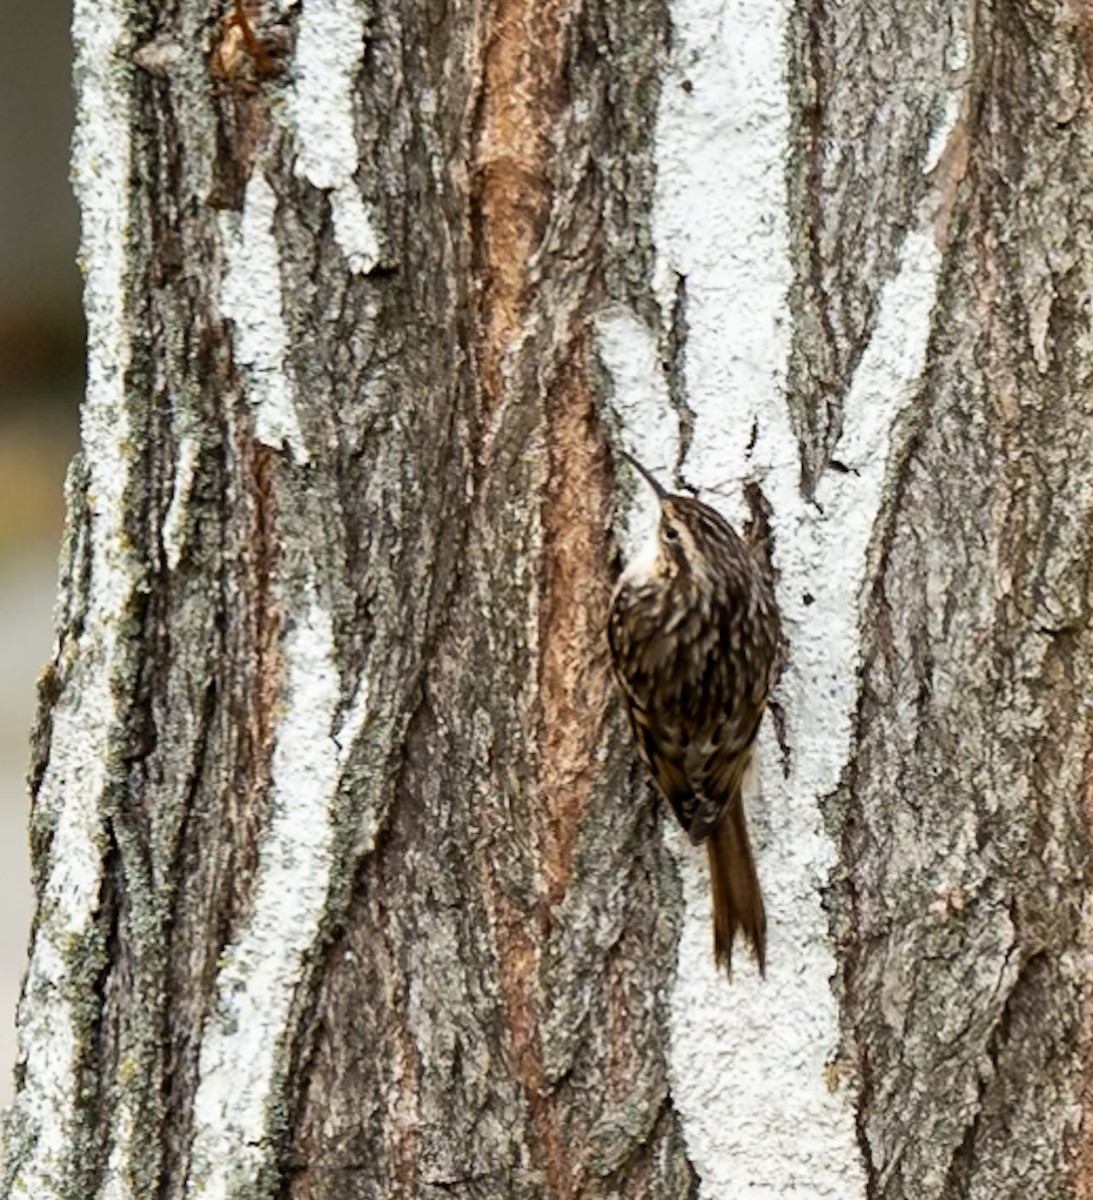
x,y
734,887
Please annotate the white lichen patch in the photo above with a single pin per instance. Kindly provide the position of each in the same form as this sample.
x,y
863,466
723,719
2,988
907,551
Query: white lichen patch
x,y
329,49
43,1117
174,520
751,1061
240,1067
250,295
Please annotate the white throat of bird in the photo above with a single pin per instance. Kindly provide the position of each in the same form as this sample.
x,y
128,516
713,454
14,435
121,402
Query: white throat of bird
x,y
642,563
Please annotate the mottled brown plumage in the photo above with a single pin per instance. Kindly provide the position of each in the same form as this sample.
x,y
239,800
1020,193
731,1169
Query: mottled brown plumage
x,y
694,635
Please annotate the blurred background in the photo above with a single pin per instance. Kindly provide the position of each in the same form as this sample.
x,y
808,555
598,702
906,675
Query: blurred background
x,y
41,379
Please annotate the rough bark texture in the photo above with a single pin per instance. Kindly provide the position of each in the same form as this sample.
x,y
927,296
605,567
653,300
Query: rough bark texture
x,y
378,902
965,830
865,105
482,1013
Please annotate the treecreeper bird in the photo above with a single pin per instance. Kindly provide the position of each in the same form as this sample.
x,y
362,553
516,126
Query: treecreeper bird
x,y
694,635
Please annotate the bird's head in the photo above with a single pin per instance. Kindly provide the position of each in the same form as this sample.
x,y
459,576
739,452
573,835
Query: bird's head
x,y
691,538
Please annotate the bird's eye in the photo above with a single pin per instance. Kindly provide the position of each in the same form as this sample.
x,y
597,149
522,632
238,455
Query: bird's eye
x,y
671,533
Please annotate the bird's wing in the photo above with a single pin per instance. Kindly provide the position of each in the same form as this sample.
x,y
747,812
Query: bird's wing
x,y
661,742
665,762
717,764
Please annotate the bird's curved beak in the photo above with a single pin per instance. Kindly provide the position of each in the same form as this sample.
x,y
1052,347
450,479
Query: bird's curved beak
x,y
662,493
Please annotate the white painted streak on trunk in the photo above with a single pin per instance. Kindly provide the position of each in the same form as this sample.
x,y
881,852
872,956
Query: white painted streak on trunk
x,y
628,350
250,294
83,723
329,49
240,1065
748,1059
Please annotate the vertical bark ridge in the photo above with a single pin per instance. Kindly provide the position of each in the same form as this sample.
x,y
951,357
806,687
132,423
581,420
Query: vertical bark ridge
x,y
867,93
1080,1135
965,845
259,623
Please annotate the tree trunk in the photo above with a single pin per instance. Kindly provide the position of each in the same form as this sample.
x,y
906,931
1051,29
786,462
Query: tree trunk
x,y
348,882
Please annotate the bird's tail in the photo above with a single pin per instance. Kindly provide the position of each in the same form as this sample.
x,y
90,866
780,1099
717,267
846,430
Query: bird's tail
x,y
734,887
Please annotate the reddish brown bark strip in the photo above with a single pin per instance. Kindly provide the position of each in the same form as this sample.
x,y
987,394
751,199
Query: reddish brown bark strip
x,y
574,680
522,94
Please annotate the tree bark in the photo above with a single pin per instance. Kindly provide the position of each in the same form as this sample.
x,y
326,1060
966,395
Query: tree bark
x,y
348,882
